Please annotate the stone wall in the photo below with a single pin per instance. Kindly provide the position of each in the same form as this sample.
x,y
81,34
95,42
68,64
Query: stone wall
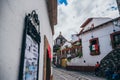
x,y
112,60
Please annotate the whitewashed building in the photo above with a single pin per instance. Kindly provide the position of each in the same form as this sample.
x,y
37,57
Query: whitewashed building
x,y
99,36
15,40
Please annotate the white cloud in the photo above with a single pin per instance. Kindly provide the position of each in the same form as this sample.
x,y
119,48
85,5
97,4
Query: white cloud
x,y
70,17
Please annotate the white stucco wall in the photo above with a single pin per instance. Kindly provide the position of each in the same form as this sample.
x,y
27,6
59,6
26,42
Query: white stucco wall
x,y
103,34
96,22
12,13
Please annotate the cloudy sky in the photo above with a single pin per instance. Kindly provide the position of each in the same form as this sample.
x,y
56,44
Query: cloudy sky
x,y
72,13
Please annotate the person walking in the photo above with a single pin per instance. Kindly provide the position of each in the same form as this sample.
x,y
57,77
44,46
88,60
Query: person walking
x,y
97,65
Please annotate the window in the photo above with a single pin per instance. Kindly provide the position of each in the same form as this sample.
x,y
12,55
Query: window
x,y
115,39
94,46
61,41
58,41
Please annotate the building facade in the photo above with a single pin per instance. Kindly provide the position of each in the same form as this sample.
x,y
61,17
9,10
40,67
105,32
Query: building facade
x,y
99,36
58,43
60,40
13,40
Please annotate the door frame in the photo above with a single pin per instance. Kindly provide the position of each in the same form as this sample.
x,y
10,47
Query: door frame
x,y
46,44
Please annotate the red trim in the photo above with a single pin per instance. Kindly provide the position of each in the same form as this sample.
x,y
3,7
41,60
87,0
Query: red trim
x,y
86,22
49,52
97,49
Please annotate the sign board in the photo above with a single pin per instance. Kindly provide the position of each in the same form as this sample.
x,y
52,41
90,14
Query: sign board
x,y
29,65
30,59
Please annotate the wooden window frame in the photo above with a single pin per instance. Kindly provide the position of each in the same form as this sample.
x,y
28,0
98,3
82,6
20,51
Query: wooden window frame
x,y
112,38
95,52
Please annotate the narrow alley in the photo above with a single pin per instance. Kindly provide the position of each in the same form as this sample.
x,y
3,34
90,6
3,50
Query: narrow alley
x,y
63,74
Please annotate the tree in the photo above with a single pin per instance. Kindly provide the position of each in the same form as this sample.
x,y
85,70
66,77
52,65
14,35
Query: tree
x,y
56,48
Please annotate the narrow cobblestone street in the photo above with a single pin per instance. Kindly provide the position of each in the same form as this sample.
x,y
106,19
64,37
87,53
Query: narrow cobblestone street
x,y
62,74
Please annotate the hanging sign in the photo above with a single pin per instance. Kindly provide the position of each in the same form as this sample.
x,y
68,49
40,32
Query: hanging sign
x,y
30,48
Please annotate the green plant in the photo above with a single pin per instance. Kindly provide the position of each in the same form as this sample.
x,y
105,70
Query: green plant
x,y
68,59
80,54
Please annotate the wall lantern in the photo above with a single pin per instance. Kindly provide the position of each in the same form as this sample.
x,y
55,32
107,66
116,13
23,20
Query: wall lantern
x,y
92,36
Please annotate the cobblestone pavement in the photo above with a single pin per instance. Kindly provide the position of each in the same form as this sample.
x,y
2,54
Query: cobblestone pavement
x,y
63,74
